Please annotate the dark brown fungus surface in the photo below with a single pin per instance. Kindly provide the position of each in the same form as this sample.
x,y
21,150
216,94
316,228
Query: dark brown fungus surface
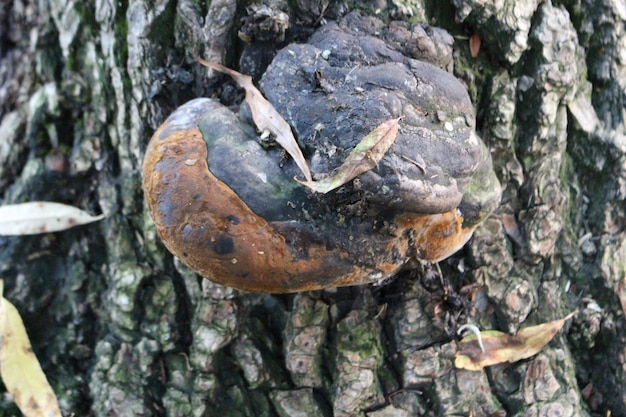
x,y
228,206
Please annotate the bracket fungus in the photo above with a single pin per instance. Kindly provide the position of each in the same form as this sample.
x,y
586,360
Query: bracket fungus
x,y
228,206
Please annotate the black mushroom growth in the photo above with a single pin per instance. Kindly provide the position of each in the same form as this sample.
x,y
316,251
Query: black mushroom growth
x,y
423,200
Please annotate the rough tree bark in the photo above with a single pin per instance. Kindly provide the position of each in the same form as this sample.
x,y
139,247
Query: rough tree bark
x,y
122,329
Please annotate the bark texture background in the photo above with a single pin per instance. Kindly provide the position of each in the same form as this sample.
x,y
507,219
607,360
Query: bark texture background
x,y
123,330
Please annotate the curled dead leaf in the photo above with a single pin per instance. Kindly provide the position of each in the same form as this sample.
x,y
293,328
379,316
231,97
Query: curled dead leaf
x,y
365,156
474,45
501,347
265,116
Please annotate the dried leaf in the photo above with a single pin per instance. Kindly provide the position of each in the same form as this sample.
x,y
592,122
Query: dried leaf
x,y
41,217
365,156
501,347
19,368
474,45
621,294
265,115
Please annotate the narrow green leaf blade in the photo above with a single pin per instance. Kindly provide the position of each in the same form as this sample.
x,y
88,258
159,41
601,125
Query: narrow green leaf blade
x,y
365,156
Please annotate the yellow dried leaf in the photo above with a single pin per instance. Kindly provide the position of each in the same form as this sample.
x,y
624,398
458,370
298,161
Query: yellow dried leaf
x,y
501,347
265,115
41,217
365,156
19,368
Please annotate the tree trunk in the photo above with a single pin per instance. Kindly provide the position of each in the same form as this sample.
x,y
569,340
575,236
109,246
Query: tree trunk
x,y
123,329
